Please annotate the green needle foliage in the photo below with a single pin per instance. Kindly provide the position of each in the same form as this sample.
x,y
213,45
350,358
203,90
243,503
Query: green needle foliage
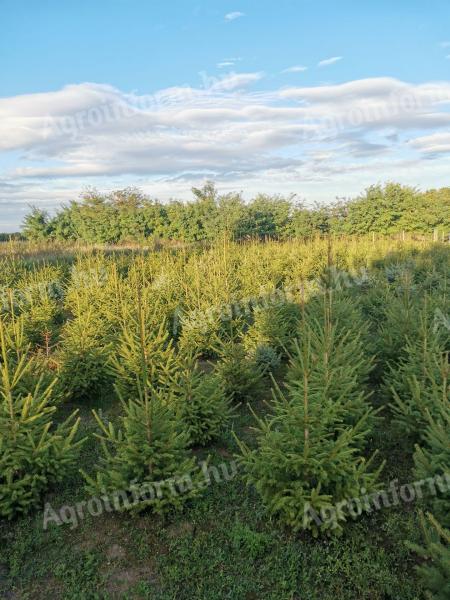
x,y
399,323
240,376
83,358
147,457
200,330
143,344
424,391
307,458
271,328
200,400
337,360
435,570
433,458
35,452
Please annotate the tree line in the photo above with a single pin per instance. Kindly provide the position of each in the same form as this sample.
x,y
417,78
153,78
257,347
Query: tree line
x,y
129,215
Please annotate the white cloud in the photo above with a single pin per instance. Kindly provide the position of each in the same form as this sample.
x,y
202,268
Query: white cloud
x,y
295,69
437,143
332,137
329,61
232,16
445,44
235,81
228,62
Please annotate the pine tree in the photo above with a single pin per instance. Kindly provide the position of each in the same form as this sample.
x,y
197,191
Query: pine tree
x,y
432,458
83,358
307,460
200,401
399,323
435,571
344,311
35,452
200,329
144,336
340,363
421,389
272,327
240,376
147,458
266,358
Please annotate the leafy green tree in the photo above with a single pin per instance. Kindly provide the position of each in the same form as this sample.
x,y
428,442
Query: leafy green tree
x,y
128,215
36,225
62,225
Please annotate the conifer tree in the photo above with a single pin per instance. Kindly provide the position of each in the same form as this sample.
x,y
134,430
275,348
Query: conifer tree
x,y
432,458
200,329
345,314
399,323
240,376
200,400
272,327
83,358
435,570
340,363
306,462
420,389
35,452
142,327
147,457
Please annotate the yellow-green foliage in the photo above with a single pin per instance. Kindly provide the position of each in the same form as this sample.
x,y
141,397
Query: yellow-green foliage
x,y
35,451
355,314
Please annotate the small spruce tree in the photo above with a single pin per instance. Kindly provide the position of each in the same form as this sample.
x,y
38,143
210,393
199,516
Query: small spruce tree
x,y
419,384
432,458
35,452
83,358
306,460
240,376
144,336
200,400
147,457
434,572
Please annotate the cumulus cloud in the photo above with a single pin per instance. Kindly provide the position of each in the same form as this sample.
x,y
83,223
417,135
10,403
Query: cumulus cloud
x,y
232,16
329,61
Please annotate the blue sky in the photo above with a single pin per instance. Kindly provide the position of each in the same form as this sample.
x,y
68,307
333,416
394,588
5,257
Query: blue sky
x,y
318,98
